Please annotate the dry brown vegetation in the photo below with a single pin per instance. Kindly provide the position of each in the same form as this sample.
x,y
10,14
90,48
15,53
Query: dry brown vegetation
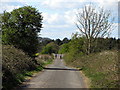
x,y
101,68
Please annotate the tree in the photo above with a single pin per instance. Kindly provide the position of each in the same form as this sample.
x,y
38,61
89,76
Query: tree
x,y
58,41
43,42
50,48
21,27
65,40
64,48
93,24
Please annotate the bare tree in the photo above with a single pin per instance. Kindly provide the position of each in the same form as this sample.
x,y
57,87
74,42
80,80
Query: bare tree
x,y
92,24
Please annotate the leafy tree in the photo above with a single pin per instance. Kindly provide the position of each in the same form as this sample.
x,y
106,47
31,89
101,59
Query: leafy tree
x,y
43,42
64,48
58,42
92,24
50,48
118,44
21,27
106,44
74,48
65,40
76,44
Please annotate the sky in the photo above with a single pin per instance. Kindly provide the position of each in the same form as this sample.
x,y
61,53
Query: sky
x,y
59,16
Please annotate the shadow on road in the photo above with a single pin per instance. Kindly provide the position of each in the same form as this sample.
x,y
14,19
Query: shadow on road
x,y
61,69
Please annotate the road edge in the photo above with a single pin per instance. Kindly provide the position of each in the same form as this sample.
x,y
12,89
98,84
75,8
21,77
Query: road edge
x,y
85,78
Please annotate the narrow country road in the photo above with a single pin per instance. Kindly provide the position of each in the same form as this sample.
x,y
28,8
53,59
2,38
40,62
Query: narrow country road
x,y
57,75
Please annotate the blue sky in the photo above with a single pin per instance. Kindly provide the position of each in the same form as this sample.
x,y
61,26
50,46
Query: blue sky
x,y
59,15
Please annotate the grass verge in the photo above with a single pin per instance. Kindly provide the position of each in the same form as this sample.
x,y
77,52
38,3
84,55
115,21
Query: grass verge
x,y
101,68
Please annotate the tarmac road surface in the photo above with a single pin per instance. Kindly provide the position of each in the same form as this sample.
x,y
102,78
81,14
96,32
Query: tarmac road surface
x,y
57,75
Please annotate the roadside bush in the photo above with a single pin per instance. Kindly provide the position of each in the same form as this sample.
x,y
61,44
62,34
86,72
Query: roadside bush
x,y
14,62
43,58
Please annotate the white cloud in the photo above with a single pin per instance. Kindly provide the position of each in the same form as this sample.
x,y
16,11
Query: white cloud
x,y
8,7
50,3
65,19
55,26
61,3
74,3
7,0
18,0
70,16
56,34
114,32
107,3
54,18
104,1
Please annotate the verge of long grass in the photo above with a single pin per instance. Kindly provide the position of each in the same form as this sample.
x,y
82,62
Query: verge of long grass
x,y
101,68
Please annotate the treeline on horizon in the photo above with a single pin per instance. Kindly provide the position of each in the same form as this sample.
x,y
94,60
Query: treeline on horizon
x,y
101,45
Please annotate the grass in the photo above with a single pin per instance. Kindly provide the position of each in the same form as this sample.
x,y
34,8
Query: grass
x,y
26,74
48,62
101,68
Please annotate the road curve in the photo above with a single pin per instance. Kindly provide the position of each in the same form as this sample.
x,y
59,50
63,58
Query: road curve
x,y
57,75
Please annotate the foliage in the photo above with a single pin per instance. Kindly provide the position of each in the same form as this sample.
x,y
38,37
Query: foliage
x,y
64,48
14,62
76,45
37,54
43,42
50,48
77,48
65,40
21,27
58,42
16,66
106,44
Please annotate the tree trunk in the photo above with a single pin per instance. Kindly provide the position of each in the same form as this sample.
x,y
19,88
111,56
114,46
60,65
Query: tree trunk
x,y
89,46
